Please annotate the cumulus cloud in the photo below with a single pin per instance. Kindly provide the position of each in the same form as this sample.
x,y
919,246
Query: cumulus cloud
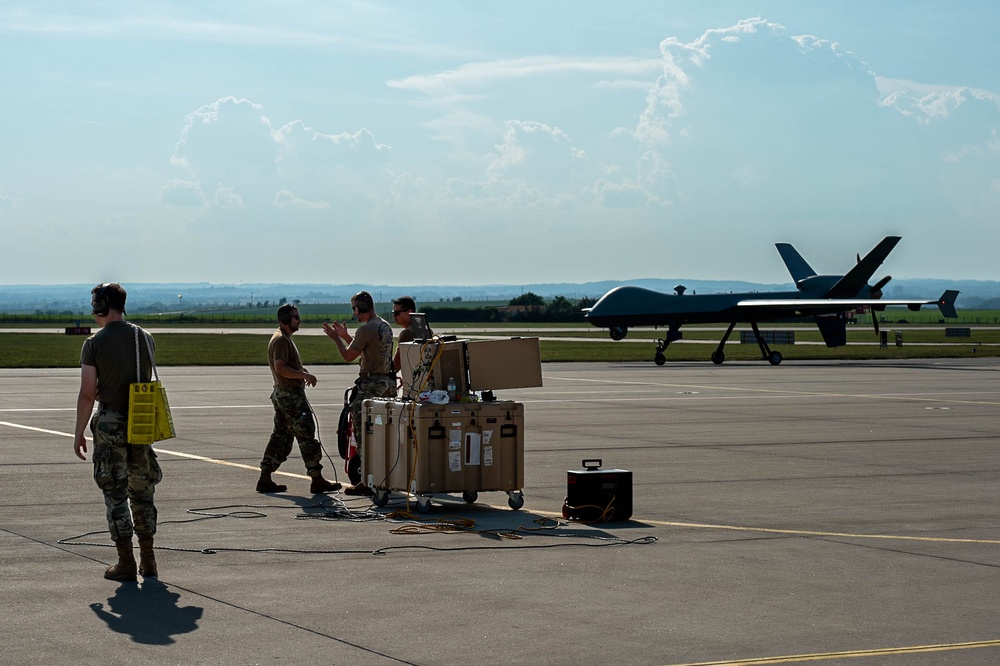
x,y
929,104
324,164
462,82
182,193
253,165
526,139
227,197
285,199
747,119
229,141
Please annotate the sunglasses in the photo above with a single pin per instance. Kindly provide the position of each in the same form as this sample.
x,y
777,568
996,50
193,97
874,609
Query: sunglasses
x,y
396,313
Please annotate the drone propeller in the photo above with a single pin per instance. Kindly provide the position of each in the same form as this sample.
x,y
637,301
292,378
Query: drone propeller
x,y
877,289
876,292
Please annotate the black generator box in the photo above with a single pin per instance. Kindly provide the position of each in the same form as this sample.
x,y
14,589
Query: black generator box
x,y
595,495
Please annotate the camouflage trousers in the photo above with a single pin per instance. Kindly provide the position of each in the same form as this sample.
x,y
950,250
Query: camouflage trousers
x,y
293,419
127,474
377,386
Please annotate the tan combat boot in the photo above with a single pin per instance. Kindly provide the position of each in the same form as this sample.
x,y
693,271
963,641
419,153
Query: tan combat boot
x,y
147,560
125,569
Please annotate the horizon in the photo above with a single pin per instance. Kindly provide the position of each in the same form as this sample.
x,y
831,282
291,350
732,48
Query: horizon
x,y
24,298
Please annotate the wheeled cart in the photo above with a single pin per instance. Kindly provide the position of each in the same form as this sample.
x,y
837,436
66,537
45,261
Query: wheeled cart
x,y
425,449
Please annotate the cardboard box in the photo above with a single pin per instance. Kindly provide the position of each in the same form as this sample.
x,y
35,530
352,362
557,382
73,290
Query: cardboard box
x,y
504,364
475,365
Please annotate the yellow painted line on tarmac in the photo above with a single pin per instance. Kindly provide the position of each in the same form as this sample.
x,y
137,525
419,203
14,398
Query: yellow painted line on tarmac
x,y
850,654
776,530
216,461
847,535
33,429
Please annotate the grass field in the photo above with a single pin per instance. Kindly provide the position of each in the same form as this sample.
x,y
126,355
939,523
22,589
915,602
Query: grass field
x,y
41,350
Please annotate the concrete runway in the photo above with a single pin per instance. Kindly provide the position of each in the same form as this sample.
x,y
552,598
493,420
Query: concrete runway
x,y
843,512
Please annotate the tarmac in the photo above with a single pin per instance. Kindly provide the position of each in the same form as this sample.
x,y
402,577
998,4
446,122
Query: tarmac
x,y
842,512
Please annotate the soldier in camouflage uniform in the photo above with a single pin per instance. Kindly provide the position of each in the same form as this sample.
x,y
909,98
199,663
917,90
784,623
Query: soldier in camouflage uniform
x,y
293,415
372,342
127,474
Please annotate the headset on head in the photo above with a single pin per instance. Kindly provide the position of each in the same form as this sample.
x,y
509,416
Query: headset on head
x,y
364,303
103,298
285,315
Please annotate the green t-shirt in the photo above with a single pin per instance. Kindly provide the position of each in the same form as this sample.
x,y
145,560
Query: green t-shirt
x,y
112,351
282,348
374,340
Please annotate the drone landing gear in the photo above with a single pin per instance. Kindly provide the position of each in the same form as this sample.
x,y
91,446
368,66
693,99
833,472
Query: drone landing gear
x,y
772,357
661,345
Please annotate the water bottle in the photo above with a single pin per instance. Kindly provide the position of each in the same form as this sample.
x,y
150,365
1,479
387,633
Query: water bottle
x,y
452,390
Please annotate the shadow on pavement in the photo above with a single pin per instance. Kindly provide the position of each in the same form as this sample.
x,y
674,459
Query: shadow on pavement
x,y
148,613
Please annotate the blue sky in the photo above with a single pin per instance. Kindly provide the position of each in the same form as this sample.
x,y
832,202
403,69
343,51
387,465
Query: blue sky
x,y
507,142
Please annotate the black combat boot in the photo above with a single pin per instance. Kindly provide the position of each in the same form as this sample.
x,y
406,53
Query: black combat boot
x,y
321,485
266,485
125,569
147,560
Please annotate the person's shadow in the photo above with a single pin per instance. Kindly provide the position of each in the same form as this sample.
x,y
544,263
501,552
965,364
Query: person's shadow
x,y
148,613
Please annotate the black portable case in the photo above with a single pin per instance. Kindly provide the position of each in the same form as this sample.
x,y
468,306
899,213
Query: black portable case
x,y
595,495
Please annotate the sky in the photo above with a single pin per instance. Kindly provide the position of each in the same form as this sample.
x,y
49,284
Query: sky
x,y
514,142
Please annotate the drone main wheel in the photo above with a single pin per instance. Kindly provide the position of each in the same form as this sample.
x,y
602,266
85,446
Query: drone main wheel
x,y
618,332
659,359
774,358
718,357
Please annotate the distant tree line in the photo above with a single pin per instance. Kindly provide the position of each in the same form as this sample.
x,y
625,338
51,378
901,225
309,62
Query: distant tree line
x,y
528,307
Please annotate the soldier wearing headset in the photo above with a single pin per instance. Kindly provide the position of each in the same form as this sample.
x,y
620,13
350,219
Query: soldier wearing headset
x,y
372,342
127,474
293,415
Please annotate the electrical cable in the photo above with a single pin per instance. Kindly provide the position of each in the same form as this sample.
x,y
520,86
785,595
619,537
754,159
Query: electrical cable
x,y
320,440
334,509
603,513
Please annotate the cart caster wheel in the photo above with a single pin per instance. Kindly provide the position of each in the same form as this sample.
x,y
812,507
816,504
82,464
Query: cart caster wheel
x,y
381,498
470,496
423,505
516,500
